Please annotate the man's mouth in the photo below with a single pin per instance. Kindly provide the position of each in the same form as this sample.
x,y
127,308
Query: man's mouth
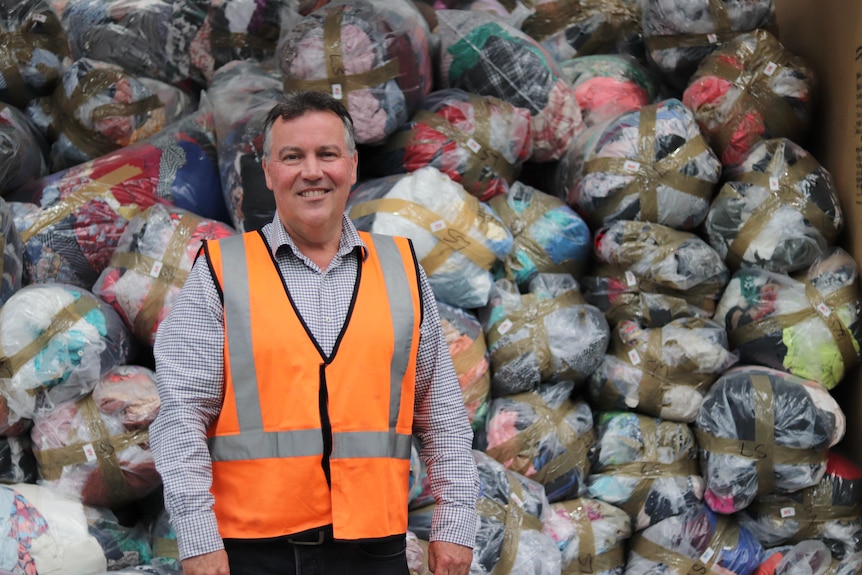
x,y
312,193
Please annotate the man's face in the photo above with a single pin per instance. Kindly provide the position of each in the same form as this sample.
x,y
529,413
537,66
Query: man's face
x,y
310,172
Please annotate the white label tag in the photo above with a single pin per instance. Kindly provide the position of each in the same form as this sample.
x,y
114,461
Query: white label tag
x,y
438,225
336,91
41,18
824,309
712,38
631,166
634,357
89,452
631,279
156,269
707,555
786,512
112,201
474,145
774,184
516,499
505,327
770,69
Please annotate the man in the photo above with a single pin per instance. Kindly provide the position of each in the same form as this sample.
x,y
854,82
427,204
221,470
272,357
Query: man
x,y
292,369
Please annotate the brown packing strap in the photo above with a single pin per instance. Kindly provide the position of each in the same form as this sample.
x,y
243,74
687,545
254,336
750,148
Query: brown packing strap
x,y
452,236
166,547
63,320
588,560
18,45
723,32
815,509
101,445
514,519
648,173
465,361
11,44
756,449
764,431
552,17
86,193
596,563
238,40
725,535
169,274
700,296
768,325
335,72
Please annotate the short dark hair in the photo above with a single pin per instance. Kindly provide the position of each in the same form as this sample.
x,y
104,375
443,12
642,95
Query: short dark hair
x,y
296,104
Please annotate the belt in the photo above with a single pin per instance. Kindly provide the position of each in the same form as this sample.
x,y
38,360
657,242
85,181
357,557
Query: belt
x,y
316,536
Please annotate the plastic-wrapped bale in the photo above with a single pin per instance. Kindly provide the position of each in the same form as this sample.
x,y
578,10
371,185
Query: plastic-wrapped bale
x,y
830,511
607,85
653,274
12,424
549,237
651,164
547,335
457,238
696,541
415,555
512,509
150,264
469,352
48,532
591,535
809,556
17,462
679,34
35,50
242,93
808,325
777,210
569,28
97,448
160,39
544,435
762,431
85,209
645,466
482,54
373,54
850,565
163,541
478,141
56,340
752,89
11,254
97,108
22,150
126,546
661,371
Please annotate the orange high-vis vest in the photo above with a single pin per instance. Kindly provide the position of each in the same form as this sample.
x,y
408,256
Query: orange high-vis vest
x,y
291,413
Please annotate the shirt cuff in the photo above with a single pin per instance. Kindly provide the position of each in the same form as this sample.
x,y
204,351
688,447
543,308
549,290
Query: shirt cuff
x,y
455,524
197,534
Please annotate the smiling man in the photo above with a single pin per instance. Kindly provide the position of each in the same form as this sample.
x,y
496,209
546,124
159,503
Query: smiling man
x,y
294,368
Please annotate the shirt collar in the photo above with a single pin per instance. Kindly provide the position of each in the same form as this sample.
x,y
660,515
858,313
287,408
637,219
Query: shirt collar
x,y
277,237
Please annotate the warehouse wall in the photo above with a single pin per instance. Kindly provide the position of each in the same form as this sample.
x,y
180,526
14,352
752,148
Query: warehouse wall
x,y
828,34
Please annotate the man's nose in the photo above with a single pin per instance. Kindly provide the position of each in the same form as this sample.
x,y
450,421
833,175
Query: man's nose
x,y
312,168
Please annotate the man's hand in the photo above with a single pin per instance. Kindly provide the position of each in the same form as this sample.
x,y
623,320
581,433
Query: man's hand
x,y
208,564
446,558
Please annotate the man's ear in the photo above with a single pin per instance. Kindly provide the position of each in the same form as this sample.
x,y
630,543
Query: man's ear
x,y
265,165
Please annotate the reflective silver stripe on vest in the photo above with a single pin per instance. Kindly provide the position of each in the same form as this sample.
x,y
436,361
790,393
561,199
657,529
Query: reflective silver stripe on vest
x,y
253,442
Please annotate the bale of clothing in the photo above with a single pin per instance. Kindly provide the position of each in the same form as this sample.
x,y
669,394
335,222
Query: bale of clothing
x,y
22,150
11,254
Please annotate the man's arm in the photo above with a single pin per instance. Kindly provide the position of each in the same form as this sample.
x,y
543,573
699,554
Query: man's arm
x,y
190,376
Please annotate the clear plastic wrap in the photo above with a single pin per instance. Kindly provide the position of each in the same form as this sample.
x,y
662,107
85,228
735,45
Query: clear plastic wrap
x,y
695,541
56,341
97,448
85,209
763,431
97,108
415,555
805,558
607,85
645,466
651,164
35,50
478,141
11,254
591,535
466,342
544,435
661,371
17,463
749,90
679,34
22,150
150,264
547,335
682,273
777,210
830,511
483,54
457,238
163,540
806,324
373,54
126,547
549,236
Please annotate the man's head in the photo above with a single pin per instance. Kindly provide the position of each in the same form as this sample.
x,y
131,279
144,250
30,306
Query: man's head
x,y
295,104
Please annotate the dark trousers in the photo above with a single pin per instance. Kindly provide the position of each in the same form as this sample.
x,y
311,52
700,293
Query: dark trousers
x,y
317,554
